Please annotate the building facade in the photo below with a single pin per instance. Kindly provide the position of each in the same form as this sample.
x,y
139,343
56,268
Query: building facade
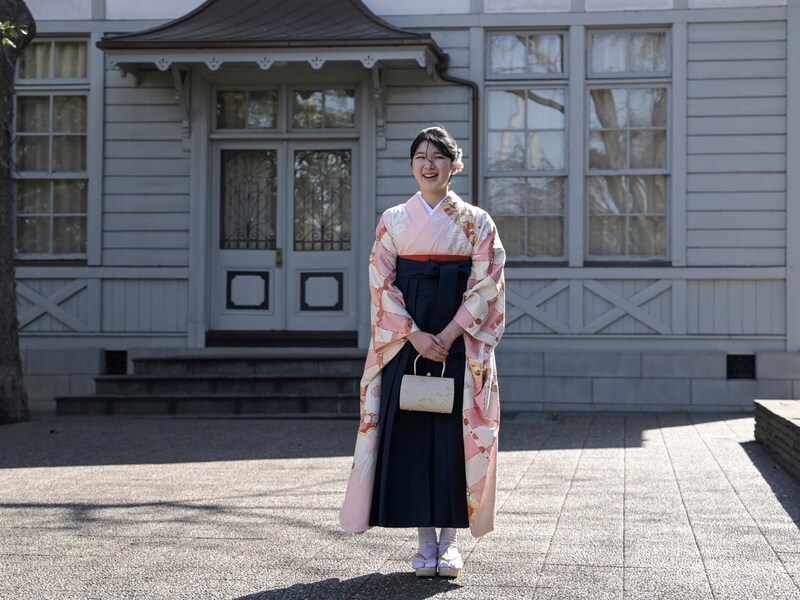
x,y
186,180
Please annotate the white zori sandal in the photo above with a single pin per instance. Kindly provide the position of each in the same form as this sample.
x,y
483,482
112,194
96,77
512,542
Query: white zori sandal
x,y
424,561
424,566
449,562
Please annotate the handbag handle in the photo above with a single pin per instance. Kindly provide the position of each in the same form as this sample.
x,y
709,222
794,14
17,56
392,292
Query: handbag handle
x,y
428,374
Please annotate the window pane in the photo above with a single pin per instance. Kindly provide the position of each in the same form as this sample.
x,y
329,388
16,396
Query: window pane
x,y
607,195
262,110
648,107
512,232
648,52
69,114
249,197
609,53
608,108
607,236
545,236
33,114
506,151
506,196
33,153
69,235
507,54
307,109
340,108
322,199
546,150
69,196
231,110
648,149
648,236
69,153
506,109
35,61
33,235
33,196
546,109
607,150
545,53
648,194
70,60
545,195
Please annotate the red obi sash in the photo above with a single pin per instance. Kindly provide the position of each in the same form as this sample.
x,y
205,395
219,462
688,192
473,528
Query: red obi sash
x,y
427,257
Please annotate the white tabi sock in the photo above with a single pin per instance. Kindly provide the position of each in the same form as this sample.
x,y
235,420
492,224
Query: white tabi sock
x,y
427,541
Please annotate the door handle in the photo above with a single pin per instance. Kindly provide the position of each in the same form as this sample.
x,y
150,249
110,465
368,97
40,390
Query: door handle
x,y
278,258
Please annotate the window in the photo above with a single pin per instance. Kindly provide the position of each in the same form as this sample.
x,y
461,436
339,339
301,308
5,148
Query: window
x,y
308,108
247,109
627,158
624,153
323,109
526,144
50,151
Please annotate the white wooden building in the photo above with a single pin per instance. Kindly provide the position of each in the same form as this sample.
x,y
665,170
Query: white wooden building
x,y
218,178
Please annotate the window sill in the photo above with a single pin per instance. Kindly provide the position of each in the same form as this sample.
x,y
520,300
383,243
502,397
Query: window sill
x,y
50,263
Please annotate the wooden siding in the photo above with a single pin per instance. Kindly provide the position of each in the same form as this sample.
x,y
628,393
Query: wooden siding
x,y
593,306
413,101
736,151
146,175
144,306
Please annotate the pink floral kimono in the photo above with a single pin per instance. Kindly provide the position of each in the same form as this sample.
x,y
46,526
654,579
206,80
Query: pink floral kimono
x,y
454,229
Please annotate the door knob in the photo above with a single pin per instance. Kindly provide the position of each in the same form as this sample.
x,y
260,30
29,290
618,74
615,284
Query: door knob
x,y
278,258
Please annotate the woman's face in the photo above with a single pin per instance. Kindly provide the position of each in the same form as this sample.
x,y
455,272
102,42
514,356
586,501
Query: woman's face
x,y
432,169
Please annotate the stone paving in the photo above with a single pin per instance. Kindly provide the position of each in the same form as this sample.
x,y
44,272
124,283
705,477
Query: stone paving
x,y
634,506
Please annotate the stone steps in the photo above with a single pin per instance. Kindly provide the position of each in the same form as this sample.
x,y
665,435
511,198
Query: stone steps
x,y
342,405
777,428
322,382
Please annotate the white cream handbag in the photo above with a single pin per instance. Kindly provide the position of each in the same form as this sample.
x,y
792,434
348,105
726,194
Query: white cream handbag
x,y
425,393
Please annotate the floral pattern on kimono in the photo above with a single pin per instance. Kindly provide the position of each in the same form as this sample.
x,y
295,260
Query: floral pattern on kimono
x,y
454,228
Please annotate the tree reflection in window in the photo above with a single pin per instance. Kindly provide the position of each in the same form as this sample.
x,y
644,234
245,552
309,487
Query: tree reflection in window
x,y
249,195
323,109
322,199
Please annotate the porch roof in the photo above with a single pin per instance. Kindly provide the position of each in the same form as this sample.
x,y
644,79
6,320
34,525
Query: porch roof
x,y
265,31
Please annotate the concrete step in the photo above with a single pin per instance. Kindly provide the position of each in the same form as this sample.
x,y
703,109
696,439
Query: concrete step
x,y
250,366
216,385
254,405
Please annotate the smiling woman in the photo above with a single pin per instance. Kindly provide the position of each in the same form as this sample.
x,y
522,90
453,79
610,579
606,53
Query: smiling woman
x,y
436,281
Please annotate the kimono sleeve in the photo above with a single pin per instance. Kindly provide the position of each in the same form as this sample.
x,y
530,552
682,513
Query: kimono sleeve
x,y
390,320
482,311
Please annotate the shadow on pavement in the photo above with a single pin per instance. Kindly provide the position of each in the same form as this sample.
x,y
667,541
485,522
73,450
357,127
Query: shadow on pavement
x,y
786,489
97,441
378,585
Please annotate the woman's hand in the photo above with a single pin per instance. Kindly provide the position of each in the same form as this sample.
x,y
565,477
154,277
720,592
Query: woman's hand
x,y
449,334
428,346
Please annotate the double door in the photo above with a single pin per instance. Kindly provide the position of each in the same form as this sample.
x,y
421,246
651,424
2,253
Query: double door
x,y
282,225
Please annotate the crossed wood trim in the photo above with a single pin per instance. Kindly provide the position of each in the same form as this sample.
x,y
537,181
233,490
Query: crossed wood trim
x,y
50,305
519,306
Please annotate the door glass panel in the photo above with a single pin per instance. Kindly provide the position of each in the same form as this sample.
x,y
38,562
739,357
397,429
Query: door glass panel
x,y
249,196
322,198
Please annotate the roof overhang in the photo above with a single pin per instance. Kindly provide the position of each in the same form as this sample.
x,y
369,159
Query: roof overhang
x,y
368,55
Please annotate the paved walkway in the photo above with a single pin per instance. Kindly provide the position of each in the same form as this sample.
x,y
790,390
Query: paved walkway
x,y
605,506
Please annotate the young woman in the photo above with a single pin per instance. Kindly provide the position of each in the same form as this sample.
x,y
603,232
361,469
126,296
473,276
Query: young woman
x,y
437,290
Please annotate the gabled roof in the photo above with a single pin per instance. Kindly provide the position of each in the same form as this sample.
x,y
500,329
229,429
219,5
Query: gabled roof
x,y
252,24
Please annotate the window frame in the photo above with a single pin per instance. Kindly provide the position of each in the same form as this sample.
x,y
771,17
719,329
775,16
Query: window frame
x,y
666,74
531,81
628,81
527,76
283,127
51,88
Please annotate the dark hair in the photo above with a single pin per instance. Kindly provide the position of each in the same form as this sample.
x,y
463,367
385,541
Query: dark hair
x,y
439,137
